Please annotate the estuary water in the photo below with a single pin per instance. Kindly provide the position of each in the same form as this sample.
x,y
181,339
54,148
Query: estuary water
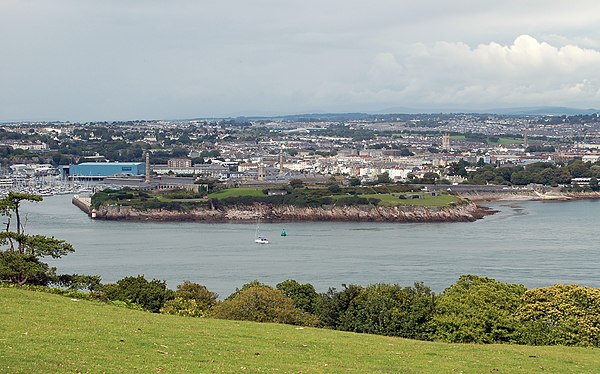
x,y
533,243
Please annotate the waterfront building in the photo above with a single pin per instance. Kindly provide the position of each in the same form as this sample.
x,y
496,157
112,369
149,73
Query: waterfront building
x,y
101,170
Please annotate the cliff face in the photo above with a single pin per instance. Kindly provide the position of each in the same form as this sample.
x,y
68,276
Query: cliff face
x,y
463,213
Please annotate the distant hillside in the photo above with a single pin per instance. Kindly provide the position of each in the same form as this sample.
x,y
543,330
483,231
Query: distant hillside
x,y
44,333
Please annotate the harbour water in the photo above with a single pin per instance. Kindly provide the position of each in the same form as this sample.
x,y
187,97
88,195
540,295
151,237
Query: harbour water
x,y
534,243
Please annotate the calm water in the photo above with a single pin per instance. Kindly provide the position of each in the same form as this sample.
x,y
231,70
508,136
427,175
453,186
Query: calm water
x,y
534,243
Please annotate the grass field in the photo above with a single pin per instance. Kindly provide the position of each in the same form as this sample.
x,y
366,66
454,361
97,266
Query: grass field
x,y
235,192
44,333
427,200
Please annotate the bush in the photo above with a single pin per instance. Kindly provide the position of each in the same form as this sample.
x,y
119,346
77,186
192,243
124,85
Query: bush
x,y
388,309
304,295
332,305
478,310
191,299
262,304
151,295
79,282
561,314
184,307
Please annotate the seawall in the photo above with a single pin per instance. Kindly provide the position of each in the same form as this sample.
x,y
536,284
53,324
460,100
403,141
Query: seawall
x,y
405,214
83,203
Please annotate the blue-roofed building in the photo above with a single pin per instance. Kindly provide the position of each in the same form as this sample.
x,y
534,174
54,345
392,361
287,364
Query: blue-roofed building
x,y
101,170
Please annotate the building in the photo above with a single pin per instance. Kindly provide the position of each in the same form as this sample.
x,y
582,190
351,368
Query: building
x,y
179,163
101,170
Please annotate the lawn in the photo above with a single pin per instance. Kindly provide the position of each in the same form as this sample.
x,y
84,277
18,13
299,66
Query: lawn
x,y
44,333
426,200
235,192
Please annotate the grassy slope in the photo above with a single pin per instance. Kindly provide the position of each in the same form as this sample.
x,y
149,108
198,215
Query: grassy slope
x,y
40,332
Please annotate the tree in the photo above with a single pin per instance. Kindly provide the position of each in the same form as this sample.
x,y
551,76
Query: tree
x,y
296,183
354,182
262,304
561,314
478,310
304,295
389,309
191,299
151,295
384,178
332,305
21,263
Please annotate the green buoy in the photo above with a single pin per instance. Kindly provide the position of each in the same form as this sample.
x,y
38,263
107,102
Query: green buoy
x,y
283,233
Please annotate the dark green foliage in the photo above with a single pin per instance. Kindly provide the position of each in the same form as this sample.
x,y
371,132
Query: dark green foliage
x,y
332,305
23,269
151,295
262,304
304,295
478,310
296,183
388,309
79,282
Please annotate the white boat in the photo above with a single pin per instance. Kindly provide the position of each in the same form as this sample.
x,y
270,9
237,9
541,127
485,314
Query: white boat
x,y
258,238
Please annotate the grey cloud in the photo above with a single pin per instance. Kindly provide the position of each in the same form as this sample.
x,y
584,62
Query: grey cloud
x,y
109,59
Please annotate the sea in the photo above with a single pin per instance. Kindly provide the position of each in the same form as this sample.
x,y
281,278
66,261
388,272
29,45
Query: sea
x,y
534,243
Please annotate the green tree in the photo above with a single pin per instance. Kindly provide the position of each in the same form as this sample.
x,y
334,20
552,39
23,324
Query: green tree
x,y
20,261
561,314
389,309
296,183
354,182
332,304
262,304
384,178
191,299
304,295
478,310
151,295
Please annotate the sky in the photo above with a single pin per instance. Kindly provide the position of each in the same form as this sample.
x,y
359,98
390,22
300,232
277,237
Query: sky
x,y
85,60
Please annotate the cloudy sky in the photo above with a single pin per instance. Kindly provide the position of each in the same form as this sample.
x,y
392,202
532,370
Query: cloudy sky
x,y
133,59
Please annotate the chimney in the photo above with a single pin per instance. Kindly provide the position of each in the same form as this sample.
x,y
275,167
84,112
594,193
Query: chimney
x,y
148,178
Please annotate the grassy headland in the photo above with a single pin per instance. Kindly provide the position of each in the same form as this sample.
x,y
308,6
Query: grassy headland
x,y
40,332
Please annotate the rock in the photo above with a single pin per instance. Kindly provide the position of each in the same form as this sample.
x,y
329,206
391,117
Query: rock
x,y
461,213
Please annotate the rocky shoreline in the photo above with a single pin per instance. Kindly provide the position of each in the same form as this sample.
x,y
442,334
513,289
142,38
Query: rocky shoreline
x,y
463,213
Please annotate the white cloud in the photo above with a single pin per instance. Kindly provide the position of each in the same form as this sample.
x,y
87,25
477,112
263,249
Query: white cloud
x,y
527,72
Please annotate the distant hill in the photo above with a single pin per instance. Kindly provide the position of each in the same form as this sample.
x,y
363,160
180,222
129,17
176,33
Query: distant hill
x,y
540,111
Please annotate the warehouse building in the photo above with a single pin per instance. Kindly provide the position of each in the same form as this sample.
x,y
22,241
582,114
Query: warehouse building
x,y
101,170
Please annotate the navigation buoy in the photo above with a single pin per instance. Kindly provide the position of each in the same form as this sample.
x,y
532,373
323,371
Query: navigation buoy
x,y
283,233
94,213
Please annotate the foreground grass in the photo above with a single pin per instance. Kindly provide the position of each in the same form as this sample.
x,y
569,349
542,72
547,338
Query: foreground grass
x,y
43,333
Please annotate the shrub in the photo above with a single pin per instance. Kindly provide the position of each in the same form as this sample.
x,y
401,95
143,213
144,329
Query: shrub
x,y
561,314
304,295
332,305
478,310
389,309
151,295
262,304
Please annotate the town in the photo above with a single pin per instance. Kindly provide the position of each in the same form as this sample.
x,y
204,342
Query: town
x,y
445,149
